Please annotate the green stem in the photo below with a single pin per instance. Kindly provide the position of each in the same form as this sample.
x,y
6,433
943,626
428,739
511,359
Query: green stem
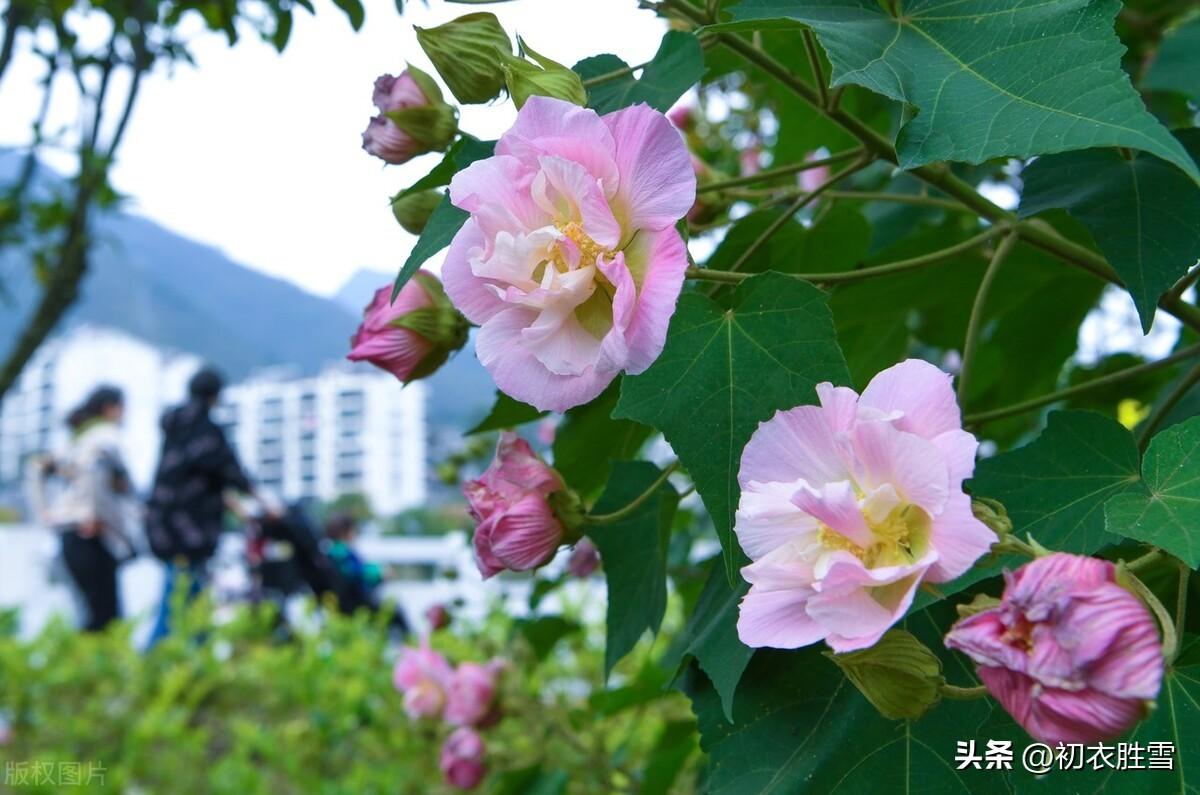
x,y
1180,287
1071,391
768,174
1170,642
1181,598
814,62
975,322
899,198
956,693
615,74
628,510
842,277
1015,546
795,207
1163,409
1153,556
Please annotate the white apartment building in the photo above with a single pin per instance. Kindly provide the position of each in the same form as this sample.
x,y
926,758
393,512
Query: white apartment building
x,y
351,429
347,430
61,375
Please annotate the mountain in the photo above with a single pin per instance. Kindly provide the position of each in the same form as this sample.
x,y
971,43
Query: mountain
x,y
360,288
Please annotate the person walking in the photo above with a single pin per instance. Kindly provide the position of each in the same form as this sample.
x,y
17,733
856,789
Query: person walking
x,y
196,473
91,508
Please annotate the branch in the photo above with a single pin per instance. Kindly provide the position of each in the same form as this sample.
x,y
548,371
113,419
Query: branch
x,y
628,510
800,203
843,277
779,171
975,322
1078,389
814,62
898,198
1163,409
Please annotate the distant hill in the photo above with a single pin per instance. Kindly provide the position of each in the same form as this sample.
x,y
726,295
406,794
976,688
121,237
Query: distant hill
x,y
360,288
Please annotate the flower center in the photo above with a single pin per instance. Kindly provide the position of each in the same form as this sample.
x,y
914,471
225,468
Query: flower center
x,y
899,539
589,250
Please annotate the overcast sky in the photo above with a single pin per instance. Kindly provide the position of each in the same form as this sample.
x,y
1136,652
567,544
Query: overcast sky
x,y
260,154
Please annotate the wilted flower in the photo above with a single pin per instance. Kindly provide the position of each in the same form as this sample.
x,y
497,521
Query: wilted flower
x,y
413,119
584,560
570,260
471,696
462,759
413,336
438,617
422,675
516,526
1072,656
846,507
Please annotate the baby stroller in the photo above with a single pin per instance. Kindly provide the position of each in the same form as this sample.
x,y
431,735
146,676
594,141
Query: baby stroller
x,y
287,556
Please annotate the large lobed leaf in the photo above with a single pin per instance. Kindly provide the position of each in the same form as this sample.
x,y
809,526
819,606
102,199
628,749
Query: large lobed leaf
x,y
723,371
989,77
1055,488
1166,510
1143,213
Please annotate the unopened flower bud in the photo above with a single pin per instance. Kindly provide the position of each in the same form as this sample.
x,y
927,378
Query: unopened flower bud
x,y
412,210
545,78
992,514
413,118
464,52
412,336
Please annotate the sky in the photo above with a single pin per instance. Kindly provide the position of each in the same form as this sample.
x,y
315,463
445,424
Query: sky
x,y
259,154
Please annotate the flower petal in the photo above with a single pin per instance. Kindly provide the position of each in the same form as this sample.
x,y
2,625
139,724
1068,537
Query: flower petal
x,y
777,619
921,391
657,262
657,183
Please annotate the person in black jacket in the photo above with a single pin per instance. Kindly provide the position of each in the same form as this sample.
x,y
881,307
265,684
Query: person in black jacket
x,y
186,509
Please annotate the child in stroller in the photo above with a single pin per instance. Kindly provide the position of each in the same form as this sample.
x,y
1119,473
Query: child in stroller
x,y
287,555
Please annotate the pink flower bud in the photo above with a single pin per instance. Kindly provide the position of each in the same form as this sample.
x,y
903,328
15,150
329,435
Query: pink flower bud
x,y
585,559
422,675
413,336
681,116
462,759
516,528
471,694
438,617
1071,655
412,118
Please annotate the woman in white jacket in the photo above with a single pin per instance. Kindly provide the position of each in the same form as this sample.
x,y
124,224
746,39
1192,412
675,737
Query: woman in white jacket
x,y
89,510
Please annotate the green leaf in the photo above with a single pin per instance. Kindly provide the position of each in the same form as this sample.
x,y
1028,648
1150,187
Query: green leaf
x,y
1177,65
506,413
802,728
899,675
533,780
544,632
353,9
713,639
989,77
445,221
722,372
588,440
1166,512
1143,213
677,66
466,150
1055,487
634,551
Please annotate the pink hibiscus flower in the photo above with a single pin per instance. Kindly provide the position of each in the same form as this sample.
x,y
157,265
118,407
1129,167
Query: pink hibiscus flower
x,y
570,260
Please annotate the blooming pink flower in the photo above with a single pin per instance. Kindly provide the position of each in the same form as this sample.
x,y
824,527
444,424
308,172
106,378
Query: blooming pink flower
x,y
570,260
584,560
1071,655
422,675
516,528
384,138
462,759
413,336
471,695
847,506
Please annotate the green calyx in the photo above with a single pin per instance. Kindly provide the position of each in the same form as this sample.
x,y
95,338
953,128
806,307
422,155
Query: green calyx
x,y
441,324
412,211
899,675
463,52
992,514
544,78
569,509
